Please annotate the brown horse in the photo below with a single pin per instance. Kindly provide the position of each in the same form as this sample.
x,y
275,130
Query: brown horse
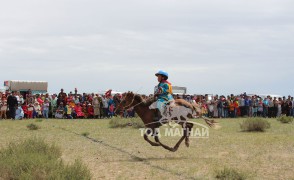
x,y
147,115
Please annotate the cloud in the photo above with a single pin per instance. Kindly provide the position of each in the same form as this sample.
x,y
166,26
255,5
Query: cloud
x,y
221,47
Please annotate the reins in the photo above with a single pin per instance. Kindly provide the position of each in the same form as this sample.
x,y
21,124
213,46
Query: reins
x,y
129,106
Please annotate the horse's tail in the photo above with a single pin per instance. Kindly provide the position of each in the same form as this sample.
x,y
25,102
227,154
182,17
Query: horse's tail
x,y
208,121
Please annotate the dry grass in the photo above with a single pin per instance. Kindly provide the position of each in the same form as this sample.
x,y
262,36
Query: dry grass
x,y
121,153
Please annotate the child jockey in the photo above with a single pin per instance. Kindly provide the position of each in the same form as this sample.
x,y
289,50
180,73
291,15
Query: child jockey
x,y
163,91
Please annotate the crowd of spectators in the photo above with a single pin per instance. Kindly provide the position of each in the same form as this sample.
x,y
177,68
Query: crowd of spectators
x,y
89,106
60,106
243,105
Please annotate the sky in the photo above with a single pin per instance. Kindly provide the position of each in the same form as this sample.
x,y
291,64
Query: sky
x,y
214,47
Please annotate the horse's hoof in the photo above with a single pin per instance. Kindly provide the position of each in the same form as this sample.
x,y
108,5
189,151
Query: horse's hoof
x,y
187,144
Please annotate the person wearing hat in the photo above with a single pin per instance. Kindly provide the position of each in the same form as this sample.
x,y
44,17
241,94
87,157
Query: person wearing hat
x,y
163,91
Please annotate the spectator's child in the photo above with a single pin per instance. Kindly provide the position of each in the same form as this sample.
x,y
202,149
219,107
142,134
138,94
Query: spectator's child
x,y
25,110
204,109
72,104
45,108
19,114
30,111
90,111
111,110
260,108
37,110
78,111
60,111
85,111
40,100
68,111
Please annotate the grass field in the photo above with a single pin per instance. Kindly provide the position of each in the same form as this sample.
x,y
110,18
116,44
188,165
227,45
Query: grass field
x,y
121,153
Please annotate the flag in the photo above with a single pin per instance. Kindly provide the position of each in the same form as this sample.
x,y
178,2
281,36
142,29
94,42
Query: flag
x,y
108,93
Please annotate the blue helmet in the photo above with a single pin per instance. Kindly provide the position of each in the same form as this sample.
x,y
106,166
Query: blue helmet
x,y
163,73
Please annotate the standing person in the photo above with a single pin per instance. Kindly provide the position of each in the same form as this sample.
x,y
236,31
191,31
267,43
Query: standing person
x,y
111,107
25,110
254,106
40,100
215,110
210,109
279,102
283,106
242,105
21,99
17,95
231,109
105,107
289,104
265,107
246,107
220,107
53,105
275,101
271,106
30,110
260,108
225,108
3,107
61,98
85,110
292,101
90,110
12,104
96,106
30,99
37,110
45,108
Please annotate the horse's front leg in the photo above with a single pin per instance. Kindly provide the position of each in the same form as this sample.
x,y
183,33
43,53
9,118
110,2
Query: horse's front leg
x,y
175,148
150,142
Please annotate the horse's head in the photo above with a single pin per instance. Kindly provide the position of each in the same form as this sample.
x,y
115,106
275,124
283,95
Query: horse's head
x,y
126,102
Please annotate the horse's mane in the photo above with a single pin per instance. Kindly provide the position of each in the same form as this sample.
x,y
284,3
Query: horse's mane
x,y
147,102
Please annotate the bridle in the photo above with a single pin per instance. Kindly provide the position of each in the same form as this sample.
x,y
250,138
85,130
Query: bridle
x,y
129,106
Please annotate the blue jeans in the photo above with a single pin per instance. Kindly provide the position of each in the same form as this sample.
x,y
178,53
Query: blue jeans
x,y
45,113
265,111
220,112
226,112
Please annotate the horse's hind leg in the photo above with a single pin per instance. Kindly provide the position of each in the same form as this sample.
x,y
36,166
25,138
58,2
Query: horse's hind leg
x,y
188,127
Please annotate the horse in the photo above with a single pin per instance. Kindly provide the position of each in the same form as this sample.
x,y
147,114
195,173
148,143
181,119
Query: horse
x,y
147,115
